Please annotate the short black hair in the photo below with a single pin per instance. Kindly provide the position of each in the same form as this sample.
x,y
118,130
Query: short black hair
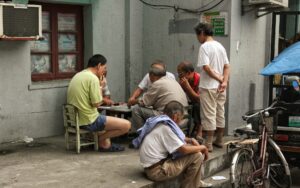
x,y
204,28
186,66
96,59
172,108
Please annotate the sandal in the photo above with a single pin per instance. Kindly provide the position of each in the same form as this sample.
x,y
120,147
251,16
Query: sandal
x,y
113,148
200,140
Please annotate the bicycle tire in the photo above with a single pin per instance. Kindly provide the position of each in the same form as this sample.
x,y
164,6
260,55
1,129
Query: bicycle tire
x,y
279,172
242,167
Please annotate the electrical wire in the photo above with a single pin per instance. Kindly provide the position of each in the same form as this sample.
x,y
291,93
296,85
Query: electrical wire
x,y
177,8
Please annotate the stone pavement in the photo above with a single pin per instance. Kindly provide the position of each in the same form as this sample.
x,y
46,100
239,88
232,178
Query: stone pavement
x,y
46,163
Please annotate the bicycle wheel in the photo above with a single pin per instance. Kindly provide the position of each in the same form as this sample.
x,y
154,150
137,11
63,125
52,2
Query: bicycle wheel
x,y
242,167
279,172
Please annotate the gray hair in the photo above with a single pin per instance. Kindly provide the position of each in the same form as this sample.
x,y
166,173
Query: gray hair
x,y
155,71
172,108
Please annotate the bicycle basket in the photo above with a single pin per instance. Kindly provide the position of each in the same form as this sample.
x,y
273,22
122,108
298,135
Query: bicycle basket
x,y
256,123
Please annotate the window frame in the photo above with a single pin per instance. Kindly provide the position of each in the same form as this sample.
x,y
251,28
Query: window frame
x,y
54,10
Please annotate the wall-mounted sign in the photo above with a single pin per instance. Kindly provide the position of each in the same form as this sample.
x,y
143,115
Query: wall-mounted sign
x,y
219,21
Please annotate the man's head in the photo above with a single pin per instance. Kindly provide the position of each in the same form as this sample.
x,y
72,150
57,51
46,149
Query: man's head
x,y
185,69
203,30
98,64
157,70
174,110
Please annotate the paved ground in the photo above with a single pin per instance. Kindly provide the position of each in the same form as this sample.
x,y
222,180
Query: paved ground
x,y
48,164
295,177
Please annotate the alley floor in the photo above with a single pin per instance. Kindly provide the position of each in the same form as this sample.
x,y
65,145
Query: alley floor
x,y
46,163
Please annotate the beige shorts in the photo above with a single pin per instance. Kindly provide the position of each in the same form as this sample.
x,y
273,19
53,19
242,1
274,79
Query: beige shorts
x,y
212,109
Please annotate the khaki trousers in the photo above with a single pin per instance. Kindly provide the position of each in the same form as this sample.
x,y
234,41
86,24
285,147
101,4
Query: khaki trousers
x,y
189,165
212,109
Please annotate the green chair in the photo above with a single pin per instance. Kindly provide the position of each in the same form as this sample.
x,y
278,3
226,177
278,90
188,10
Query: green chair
x,y
71,125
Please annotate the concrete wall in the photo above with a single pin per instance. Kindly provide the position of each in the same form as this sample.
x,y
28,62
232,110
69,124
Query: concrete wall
x,y
34,108
247,89
26,108
169,35
131,36
109,39
250,50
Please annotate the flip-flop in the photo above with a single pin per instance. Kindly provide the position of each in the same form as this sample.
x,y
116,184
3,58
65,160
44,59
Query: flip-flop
x,y
113,148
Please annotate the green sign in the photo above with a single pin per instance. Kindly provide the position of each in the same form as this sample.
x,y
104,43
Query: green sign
x,y
218,26
25,2
294,121
218,20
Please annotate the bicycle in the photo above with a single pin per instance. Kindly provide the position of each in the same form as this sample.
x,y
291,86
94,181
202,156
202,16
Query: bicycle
x,y
258,161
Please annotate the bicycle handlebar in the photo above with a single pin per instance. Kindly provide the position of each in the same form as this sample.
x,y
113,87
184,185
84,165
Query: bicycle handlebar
x,y
271,107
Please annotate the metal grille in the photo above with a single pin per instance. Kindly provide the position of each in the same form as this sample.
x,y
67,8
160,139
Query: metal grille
x,y
20,22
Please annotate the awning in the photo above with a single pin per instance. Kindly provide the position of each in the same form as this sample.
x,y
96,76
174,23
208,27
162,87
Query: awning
x,y
288,61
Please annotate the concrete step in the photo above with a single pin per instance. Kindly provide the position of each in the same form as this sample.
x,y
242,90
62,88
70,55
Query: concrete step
x,y
220,183
219,160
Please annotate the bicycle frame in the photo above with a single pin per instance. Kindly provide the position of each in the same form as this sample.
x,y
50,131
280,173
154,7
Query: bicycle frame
x,y
262,171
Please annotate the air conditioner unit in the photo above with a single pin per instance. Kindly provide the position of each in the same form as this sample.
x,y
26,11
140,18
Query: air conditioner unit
x,y
280,3
20,22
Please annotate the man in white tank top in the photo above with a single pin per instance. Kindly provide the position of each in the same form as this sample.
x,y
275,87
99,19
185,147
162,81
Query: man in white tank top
x,y
214,70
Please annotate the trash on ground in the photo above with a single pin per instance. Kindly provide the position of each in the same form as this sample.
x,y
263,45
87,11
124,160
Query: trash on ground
x,y
27,139
218,178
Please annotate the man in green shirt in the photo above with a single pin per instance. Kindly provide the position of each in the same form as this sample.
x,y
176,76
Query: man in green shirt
x,y
85,93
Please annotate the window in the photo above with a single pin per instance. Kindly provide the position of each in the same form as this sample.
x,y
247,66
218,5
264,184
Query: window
x,y
60,54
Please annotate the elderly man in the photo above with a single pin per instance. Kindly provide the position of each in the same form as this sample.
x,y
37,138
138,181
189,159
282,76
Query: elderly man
x,y
189,81
161,92
161,137
146,83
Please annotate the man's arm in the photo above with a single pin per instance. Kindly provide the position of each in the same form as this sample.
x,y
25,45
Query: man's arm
x,y
194,96
223,85
212,73
133,99
190,149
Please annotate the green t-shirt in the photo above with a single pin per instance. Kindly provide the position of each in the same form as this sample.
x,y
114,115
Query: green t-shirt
x,y
84,90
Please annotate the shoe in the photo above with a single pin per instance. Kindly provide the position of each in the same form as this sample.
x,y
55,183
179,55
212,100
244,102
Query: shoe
x,y
112,148
209,147
204,184
131,146
217,144
200,140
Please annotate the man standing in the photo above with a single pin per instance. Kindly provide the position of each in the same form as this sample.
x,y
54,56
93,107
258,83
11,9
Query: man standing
x,y
84,92
161,92
214,70
161,137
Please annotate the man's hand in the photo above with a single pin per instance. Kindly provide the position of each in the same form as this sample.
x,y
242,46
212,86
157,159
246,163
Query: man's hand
x,y
132,101
107,101
222,87
204,151
184,83
194,142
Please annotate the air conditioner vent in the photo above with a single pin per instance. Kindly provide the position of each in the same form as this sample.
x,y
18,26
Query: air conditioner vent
x,y
20,22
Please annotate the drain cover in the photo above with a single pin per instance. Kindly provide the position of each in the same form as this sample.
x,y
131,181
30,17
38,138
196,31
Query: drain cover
x,y
5,152
36,144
